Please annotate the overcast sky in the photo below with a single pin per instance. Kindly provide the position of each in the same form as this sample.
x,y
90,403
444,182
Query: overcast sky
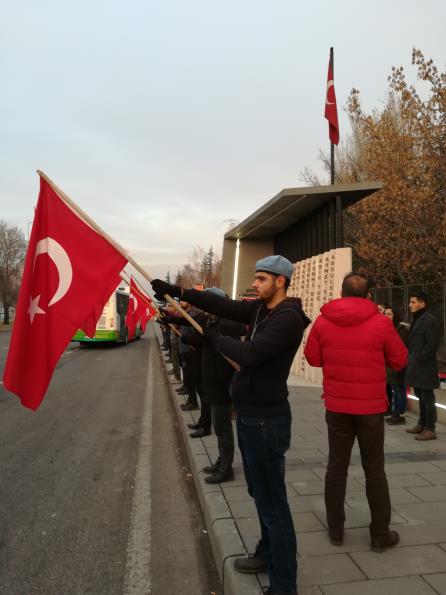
x,y
164,119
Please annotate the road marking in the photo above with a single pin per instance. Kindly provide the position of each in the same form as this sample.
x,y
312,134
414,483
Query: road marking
x,y
137,579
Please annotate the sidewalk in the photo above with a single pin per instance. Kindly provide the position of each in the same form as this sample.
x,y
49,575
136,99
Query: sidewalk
x,y
417,479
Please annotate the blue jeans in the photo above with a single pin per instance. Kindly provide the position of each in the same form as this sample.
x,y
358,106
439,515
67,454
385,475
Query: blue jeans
x,y
399,398
263,443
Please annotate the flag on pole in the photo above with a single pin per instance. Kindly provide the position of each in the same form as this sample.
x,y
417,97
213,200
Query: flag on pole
x,y
135,309
70,272
331,110
148,314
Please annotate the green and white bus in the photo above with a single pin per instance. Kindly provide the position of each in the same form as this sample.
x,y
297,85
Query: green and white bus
x,y
111,324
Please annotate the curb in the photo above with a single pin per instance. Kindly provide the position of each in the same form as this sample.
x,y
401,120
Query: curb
x,y
224,536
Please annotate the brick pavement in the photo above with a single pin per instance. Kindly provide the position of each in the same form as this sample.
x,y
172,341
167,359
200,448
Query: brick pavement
x,y
417,479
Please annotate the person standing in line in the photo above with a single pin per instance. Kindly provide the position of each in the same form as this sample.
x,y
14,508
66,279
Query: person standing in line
x,y
352,343
396,379
260,396
217,374
422,368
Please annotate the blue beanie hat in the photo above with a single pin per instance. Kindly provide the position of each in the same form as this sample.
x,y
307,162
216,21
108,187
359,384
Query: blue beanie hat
x,y
276,264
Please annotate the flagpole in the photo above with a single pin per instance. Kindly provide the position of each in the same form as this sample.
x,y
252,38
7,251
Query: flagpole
x,y
332,162
89,221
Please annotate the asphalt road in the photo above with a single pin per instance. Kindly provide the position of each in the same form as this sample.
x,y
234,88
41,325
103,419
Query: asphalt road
x,y
69,480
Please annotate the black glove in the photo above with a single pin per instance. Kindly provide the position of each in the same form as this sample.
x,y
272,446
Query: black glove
x,y
161,287
210,335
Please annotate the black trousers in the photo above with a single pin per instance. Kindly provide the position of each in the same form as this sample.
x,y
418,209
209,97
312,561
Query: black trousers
x,y
428,411
343,429
221,420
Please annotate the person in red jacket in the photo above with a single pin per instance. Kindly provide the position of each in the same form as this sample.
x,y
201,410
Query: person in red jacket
x,y
353,343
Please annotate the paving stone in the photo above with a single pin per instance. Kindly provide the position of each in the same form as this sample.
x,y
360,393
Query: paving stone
x,y
236,583
226,540
305,522
403,481
430,494
318,543
421,533
305,454
248,528
308,488
243,509
401,561
215,508
235,493
300,475
322,570
309,591
409,467
417,513
438,581
413,585
358,517
440,464
435,477
306,503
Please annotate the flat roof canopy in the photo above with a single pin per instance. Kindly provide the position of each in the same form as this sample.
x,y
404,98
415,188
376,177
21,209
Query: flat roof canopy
x,y
293,204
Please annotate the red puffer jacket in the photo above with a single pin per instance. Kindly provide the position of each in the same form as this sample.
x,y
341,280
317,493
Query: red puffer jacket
x,y
353,343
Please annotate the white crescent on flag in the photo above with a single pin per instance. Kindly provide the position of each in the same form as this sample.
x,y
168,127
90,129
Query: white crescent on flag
x,y
135,302
329,84
60,258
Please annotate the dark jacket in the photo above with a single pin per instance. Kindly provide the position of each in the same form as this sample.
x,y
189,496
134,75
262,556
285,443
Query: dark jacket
x,y
424,340
352,343
265,357
397,377
216,371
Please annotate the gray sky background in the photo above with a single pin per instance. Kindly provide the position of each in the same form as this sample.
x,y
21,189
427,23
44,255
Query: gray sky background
x,y
163,119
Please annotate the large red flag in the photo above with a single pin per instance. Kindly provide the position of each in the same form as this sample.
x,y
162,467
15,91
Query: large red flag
x,y
135,309
331,110
70,272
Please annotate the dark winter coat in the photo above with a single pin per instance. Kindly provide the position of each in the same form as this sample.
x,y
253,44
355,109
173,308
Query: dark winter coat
x,y
424,340
397,377
216,371
265,357
352,343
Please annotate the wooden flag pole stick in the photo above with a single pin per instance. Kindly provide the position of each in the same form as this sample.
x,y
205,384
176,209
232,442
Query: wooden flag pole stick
x,y
89,221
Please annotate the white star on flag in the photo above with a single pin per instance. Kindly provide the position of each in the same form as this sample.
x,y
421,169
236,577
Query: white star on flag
x,y
34,308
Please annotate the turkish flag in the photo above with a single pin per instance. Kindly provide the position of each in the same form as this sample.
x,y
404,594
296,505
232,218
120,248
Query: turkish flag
x,y
135,309
148,314
148,308
70,272
331,110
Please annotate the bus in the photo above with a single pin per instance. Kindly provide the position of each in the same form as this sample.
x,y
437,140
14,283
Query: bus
x,y
111,325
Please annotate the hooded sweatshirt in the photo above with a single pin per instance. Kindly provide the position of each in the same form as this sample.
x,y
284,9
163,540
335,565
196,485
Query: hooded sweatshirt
x,y
259,389
353,343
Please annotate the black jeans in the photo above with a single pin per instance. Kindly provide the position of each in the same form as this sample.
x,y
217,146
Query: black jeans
x,y
428,411
263,443
343,428
221,420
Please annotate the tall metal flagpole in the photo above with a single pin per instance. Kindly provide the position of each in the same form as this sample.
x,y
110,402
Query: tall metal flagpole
x,y
332,163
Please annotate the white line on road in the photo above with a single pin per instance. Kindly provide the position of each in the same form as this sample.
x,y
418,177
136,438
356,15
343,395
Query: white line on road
x,y
137,579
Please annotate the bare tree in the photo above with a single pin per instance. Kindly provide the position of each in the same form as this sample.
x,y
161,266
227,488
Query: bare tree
x,y
12,256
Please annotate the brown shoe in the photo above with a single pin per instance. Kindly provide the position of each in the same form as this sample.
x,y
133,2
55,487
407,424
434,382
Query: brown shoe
x,y
426,435
415,430
380,545
251,565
